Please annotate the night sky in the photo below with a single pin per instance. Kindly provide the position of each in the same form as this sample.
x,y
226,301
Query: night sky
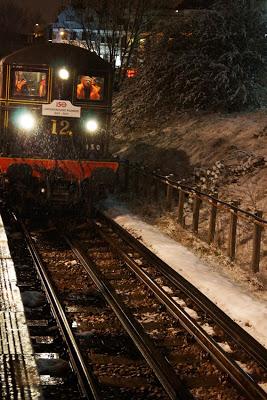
x,y
47,8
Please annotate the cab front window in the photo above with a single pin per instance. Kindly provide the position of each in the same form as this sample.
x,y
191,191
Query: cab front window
x,y
29,84
90,87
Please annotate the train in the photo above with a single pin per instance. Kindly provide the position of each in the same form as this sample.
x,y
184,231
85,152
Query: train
x,y
55,113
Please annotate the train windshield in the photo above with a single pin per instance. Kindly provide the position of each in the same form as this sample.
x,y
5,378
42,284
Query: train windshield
x,y
29,84
90,88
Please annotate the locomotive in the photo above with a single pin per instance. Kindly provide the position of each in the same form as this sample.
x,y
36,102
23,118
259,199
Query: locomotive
x,y
55,110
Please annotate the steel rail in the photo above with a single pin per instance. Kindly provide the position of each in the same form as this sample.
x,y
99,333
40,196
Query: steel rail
x,y
239,335
162,369
248,386
85,377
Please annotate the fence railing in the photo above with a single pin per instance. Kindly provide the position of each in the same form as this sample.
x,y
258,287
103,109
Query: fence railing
x,y
238,227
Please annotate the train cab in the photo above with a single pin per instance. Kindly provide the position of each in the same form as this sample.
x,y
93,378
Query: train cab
x,y
55,110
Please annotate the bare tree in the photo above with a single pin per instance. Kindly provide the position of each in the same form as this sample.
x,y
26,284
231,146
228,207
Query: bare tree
x,y
117,26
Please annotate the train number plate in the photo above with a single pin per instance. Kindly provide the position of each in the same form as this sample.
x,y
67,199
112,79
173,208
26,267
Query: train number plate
x,y
60,127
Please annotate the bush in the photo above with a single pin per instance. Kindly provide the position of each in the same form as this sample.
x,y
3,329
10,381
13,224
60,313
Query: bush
x,y
206,60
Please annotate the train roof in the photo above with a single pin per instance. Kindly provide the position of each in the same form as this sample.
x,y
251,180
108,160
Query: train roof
x,y
55,54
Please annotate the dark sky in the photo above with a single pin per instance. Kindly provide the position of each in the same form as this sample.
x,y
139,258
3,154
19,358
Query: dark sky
x,y
47,8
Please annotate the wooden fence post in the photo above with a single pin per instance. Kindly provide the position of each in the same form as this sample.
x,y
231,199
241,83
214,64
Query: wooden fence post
x,y
147,182
256,250
181,206
196,208
212,223
137,183
143,183
156,188
232,231
169,196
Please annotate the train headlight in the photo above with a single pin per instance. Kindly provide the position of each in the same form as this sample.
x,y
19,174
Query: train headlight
x,y
63,73
91,125
26,121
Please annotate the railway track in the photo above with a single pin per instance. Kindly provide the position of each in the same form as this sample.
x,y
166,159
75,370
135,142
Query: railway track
x,y
57,378
228,344
140,330
111,346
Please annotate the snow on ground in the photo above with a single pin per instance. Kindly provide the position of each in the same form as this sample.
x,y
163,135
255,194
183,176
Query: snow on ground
x,y
250,313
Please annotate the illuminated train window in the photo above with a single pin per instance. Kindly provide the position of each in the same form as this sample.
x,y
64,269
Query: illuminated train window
x,y
29,84
90,88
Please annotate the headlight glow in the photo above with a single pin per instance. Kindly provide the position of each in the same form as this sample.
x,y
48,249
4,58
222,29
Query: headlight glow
x,y
63,73
91,125
26,121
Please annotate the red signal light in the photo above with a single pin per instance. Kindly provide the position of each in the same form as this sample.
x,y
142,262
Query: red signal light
x,y
131,73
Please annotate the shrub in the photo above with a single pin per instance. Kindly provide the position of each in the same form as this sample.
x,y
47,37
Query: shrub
x,y
206,60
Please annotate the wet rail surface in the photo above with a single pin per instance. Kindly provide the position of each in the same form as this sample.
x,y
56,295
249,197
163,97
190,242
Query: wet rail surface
x,y
19,378
192,295
110,344
203,378
233,349
107,271
56,378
